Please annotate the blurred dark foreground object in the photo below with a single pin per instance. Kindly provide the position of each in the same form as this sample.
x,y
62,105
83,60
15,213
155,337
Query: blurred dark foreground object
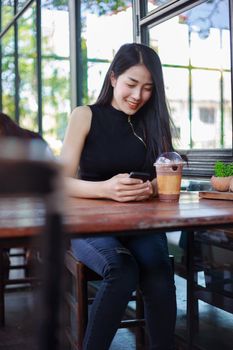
x,y
27,171
23,259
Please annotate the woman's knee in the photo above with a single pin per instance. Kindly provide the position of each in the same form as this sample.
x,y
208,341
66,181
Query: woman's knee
x,y
123,268
108,258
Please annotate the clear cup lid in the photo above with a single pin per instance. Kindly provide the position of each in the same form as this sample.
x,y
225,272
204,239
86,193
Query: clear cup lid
x,y
169,158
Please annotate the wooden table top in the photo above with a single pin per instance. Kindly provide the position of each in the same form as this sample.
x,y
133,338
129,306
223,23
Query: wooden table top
x,y
25,217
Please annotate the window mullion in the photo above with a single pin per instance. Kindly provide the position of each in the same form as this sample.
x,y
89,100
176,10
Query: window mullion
x,y
39,69
136,19
1,58
16,64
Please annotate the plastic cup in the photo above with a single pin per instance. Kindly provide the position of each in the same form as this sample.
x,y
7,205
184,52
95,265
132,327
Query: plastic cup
x,y
169,168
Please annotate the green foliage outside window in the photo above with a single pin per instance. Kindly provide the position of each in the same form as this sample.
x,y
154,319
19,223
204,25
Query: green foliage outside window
x,y
104,7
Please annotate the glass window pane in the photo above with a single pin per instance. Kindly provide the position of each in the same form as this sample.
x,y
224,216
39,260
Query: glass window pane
x,y
168,32
100,41
217,46
96,74
55,72
55,67
178,104
8,73
7,12
203,51
206,117
210,44
227,110
21,4
154,4
225,49
56,101
28,97
58,5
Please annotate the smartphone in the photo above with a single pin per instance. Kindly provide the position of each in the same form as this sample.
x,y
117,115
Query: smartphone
x,y
139,175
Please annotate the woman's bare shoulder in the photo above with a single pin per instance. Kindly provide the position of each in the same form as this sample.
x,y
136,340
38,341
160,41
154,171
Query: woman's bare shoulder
x,y
81,112
81,116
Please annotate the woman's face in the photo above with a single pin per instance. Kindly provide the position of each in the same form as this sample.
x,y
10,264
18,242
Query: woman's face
x,y
132,89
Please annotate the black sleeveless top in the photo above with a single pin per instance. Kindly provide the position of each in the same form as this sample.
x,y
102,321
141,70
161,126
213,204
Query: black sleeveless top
x,y
111,147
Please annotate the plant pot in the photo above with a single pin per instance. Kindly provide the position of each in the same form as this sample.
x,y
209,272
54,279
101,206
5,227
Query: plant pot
x,y
231,185
221,184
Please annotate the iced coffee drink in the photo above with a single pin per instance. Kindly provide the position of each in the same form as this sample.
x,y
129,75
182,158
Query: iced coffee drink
x,y
169,173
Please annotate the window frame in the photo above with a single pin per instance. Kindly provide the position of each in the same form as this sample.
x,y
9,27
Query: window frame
x,y
3,31
201,161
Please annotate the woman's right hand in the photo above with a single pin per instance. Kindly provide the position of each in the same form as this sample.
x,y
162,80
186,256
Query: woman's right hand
x,y
122,188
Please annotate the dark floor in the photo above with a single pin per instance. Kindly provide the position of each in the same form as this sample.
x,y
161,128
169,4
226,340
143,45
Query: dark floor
x,y
215,331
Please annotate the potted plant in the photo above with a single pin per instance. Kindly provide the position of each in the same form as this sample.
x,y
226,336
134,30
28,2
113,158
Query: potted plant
x,y
231,185
223,176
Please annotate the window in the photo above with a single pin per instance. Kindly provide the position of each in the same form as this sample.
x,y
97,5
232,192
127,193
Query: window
x,y
35,66
194,43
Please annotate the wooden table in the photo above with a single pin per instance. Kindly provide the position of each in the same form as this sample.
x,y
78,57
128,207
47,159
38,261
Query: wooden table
x,y
23,219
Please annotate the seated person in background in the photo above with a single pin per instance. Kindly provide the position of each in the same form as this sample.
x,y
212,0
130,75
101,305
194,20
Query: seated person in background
x,y
125,130
10,128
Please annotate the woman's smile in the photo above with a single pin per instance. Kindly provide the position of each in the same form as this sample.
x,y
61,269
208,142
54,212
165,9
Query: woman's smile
x,y
133,105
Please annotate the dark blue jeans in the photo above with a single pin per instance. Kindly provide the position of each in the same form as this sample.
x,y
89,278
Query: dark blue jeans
x,y
125,263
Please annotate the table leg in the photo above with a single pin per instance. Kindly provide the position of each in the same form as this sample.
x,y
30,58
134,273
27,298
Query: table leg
x,y
2,304
52,293
190,290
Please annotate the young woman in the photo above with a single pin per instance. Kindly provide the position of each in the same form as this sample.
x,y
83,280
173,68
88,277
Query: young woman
x,y
125,130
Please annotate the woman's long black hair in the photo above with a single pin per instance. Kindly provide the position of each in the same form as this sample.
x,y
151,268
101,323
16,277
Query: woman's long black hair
x,y
155,116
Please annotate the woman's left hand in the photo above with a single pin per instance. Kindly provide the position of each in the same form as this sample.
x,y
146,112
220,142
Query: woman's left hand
x,y
147,194
122,188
